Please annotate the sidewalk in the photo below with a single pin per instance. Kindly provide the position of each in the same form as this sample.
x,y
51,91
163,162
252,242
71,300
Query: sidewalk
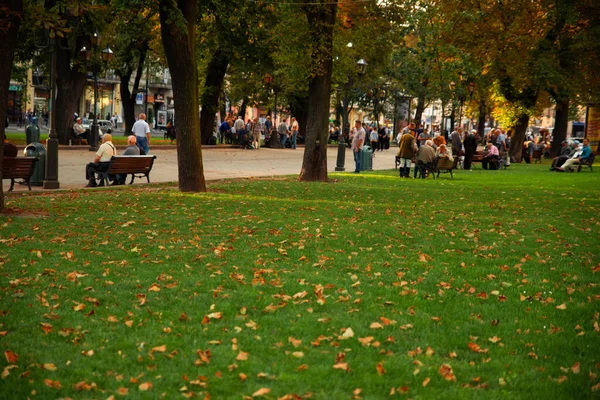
x,y
219,163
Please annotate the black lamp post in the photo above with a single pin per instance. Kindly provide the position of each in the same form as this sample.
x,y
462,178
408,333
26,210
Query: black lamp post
x,y
51,171
107,56
341,155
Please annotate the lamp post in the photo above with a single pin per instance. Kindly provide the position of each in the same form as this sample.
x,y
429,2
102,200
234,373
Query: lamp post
x,y
107,56
341,155
51,170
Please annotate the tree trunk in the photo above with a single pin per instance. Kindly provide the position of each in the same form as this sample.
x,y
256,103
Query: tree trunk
x,y
561,124
215,75
70,82
11,14
321,20
481,119
128,96
299,110
178,30
517,139
420,108
243,107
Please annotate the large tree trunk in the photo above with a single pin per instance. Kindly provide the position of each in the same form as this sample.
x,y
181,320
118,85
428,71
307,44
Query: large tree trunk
x,y
517,139
70,82
178,32
421,102
481,119
128,96
321,20
561,123
299,109
215,75
11,14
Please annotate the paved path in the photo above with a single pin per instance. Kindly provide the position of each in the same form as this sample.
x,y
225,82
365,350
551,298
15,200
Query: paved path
x,y
219,163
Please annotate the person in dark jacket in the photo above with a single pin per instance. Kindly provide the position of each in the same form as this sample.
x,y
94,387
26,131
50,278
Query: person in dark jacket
x,y
470,144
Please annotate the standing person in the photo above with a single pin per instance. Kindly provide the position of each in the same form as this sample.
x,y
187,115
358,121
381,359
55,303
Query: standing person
x,y
406,150
256,133
374,136
455,139
283,133
295,129
113,120
357,142
101,161
268,126
239,126
141,130
470,144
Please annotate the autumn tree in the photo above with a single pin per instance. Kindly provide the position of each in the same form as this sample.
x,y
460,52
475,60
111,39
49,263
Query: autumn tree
x,y
178,29
321,22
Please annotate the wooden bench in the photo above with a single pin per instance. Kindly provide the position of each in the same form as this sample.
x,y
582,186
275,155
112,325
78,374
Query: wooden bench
x,y
137,166
18,168
587,163
444,165
537,156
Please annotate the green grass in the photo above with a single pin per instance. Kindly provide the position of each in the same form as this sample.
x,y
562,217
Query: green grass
x,y
18,138
445,263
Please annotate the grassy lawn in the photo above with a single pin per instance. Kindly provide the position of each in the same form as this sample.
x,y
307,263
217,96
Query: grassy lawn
x,y
18,138
484,286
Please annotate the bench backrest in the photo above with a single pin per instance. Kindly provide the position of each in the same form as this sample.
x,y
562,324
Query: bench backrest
x,y
445,163
18,167
131,164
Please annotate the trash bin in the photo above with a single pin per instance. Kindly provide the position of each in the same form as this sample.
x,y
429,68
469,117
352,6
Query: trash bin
x,y
39,151
366,159
32,133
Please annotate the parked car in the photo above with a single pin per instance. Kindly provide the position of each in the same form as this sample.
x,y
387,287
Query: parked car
x,y
102,123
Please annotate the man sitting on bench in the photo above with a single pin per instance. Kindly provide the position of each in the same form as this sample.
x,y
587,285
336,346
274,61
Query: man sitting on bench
x,y
490,159
131,150
101,161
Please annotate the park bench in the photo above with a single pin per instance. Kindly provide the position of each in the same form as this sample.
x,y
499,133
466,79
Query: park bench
x,y
587,163
537,156
18,168
444,165
137,166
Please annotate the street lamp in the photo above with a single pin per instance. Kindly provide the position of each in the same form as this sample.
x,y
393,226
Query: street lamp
x,y
107,55
341,155
51,170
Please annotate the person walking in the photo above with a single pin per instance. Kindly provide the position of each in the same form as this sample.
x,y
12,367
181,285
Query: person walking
x,y
374,136
141,130
357,142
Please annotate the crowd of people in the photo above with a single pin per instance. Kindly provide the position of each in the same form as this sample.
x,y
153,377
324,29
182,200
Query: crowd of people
x,y
248,135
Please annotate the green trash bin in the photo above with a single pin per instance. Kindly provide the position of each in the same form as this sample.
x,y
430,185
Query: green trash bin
x,y
366,159
32,133
39,151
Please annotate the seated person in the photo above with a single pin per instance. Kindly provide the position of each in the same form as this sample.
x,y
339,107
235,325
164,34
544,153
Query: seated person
x,y
442,152
491,157
131,150
439,140
578,157
79,131
425,157
10,150
101,161
566,152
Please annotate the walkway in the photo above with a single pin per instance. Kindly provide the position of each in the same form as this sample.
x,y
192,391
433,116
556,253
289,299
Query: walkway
x,y
219,163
